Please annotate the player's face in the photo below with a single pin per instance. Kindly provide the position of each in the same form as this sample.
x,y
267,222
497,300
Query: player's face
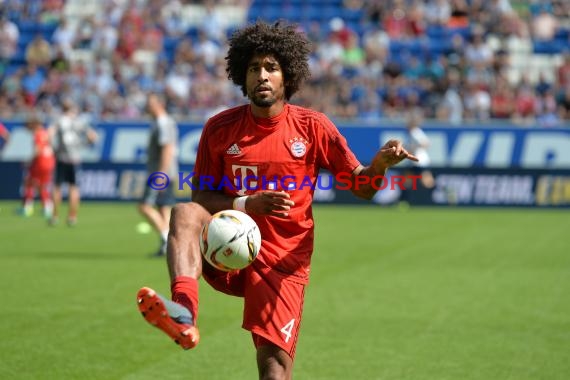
x,y
264,81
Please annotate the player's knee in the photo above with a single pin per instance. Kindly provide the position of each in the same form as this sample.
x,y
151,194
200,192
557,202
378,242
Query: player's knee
x,y
190,212
274,371
143,208
273,363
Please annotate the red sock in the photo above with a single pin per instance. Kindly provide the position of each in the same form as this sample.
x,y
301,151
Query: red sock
x,y
28,193
185,292
45,195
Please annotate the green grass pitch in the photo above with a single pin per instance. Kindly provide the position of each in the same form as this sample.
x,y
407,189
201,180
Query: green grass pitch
x,y
421,294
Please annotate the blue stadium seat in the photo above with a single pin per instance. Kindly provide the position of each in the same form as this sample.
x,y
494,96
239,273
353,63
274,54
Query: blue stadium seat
x,y
436,31
548,47
19,58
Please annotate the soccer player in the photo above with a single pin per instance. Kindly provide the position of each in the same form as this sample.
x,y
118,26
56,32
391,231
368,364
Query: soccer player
x,y
269,138
70,132
156,205
40,170
4,137
417,144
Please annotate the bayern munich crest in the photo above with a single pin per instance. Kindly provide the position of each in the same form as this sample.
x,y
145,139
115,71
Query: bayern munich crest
x,y
298,146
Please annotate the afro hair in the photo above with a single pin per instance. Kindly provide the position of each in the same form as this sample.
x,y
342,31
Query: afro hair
x,y
290,47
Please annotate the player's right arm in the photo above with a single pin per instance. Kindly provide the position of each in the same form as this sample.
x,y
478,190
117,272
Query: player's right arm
x,y
267,202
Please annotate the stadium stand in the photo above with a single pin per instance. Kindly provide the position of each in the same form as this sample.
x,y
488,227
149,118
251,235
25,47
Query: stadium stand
x,y
486,59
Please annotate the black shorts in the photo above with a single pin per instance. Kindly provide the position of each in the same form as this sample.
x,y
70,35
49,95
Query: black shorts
x,y
66,173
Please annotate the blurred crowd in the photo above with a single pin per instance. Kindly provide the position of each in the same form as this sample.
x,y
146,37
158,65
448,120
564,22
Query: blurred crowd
x,y
455,60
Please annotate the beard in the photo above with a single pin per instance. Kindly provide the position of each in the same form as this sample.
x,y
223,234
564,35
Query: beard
x,y
263,102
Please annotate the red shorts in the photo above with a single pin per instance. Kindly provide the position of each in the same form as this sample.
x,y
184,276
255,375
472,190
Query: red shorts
x,y
273,302
41,173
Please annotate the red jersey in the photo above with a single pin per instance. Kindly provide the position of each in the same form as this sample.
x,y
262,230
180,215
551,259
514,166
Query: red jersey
x,y
240,154
43,152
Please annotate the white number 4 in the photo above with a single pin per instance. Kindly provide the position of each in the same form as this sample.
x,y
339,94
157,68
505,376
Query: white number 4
x,y
287,330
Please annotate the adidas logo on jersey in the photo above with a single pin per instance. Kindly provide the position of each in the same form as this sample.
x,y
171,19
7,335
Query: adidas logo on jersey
x,y
234,149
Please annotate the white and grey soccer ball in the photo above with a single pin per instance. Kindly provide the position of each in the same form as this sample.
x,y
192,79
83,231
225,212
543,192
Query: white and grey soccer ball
x,y
230,240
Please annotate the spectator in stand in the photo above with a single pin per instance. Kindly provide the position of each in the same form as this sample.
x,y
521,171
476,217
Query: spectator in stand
x,y
128,41
32,82
353,57
38,52
459,14
451,107
212,23
52,87
501,63
477,102
396,22
51,11
330,53
341,31
416,16
502,100
9,35
64,37
543,84
184,53
207,50
85,32
105,39
564,103
563,71
477,49
496,11
11,88
438,12
376,44
560,8
501,36
546,109
375,11
480,74
178,85
152,39
172,20
525,103
544,25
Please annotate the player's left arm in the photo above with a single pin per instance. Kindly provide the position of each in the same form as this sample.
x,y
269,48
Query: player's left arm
x,y
390,154
91,135
167,152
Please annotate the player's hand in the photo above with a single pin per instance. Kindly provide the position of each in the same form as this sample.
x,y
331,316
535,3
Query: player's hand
x,y
275,203
391,154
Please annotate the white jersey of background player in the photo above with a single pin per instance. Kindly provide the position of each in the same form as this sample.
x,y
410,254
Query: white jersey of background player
x,y
418,144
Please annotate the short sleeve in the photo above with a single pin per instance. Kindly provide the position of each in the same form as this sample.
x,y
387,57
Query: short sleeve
x,y
208,160
167,131
334,154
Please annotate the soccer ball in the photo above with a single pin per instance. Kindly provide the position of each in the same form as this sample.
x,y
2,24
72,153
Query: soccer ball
x,y
230,240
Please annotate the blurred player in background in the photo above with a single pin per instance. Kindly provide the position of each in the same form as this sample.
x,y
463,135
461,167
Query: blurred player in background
x,y
271,138
40,170
70,133
162,158
4,137
417,143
